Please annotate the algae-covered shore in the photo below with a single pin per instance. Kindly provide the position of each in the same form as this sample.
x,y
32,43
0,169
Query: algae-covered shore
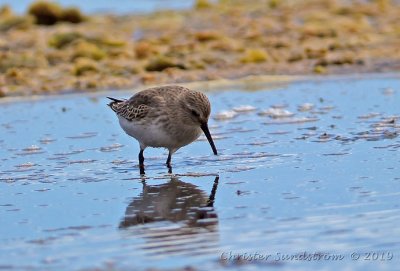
x,y
53,49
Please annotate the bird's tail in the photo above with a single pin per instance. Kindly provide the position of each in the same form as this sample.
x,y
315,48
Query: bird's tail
x,y
113,104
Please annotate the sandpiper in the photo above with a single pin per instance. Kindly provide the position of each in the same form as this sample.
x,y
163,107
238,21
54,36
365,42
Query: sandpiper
x,y
164,117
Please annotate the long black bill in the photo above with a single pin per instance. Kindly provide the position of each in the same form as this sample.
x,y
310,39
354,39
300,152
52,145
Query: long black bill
x,y
204,127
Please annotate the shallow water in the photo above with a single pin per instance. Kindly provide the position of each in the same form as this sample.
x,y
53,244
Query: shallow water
x,y
307,169
123,6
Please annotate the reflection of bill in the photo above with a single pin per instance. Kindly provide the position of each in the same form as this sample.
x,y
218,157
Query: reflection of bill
x,y
173,217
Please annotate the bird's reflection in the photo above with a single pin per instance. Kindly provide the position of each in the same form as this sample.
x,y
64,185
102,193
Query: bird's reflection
x,y
173,217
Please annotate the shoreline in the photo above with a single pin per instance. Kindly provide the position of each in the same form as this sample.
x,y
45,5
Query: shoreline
x,y
249,83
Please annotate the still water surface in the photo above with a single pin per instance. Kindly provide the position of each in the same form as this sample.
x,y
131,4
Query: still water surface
x,y
106,6
308,168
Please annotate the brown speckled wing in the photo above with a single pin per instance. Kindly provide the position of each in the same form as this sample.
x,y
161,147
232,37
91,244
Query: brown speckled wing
x,y
139,105
148,101
130,112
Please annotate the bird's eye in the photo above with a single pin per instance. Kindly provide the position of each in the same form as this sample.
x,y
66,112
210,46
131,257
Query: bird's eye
x,y
195,113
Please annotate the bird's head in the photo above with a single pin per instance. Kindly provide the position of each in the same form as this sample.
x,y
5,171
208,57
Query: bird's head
x,y
198,111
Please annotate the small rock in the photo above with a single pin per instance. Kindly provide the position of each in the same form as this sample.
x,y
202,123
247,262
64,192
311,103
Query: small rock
x,y
225,115
305,107
388,91
276,113
244,108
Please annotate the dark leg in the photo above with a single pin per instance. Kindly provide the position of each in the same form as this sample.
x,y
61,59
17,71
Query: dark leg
x,y
169,160
169,163
141,162
141,158
210,202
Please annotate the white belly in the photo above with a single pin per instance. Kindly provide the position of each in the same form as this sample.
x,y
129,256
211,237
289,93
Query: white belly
x,y
150,134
